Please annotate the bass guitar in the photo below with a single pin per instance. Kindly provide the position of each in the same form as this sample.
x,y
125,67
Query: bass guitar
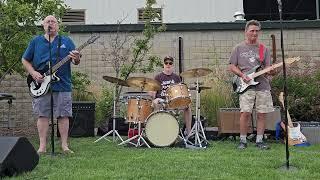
x,y
239,86
294,134
37,89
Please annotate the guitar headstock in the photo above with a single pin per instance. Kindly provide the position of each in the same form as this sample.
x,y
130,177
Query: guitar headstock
x,y
92,39
292,60
281,98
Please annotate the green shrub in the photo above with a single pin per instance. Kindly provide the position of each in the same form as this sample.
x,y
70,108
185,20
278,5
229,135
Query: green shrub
x,y
80,83
84,90
104,106
303,84
220,95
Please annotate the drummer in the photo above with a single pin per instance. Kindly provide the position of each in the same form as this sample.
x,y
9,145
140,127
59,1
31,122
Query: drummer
x,y
166,78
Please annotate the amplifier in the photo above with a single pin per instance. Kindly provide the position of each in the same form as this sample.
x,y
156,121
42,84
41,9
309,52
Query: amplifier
x,y
312,131
229,120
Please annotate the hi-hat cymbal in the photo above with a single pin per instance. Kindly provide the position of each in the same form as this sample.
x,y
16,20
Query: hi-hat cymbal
x,y
201,88
197,72
115,80
144,83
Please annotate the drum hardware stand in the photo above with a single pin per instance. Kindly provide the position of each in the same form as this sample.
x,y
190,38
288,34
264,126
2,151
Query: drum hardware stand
x,y
197,129
139,135
113,131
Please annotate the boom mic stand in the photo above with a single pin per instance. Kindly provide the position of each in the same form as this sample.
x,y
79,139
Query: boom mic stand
x,y
51,95
287,166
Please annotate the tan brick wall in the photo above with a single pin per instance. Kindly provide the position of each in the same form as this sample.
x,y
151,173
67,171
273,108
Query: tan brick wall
x,y
201,48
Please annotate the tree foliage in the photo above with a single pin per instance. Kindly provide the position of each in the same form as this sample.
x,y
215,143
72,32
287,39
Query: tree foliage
x,y
142,45
19,22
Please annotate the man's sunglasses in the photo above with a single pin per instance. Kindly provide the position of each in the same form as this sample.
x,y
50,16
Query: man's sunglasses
x,y
166,63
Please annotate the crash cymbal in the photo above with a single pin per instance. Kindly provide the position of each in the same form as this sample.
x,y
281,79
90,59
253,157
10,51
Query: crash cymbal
x,y
197,72
144,83
201,88
116,80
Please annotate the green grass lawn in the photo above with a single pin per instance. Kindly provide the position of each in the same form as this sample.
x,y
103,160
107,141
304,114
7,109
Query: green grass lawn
x,y
221,160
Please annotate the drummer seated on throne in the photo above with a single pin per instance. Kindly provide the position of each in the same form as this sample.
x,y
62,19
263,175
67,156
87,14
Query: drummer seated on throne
x,y
173,95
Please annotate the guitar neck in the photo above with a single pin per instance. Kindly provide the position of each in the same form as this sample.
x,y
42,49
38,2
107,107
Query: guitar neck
x,y
65,59
259,73
290,124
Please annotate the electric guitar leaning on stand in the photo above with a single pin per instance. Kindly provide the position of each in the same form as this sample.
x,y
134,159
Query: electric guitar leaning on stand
x,y
38,89
294,134
239,86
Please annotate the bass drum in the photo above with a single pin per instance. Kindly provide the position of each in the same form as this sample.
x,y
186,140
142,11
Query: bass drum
x,y
162,129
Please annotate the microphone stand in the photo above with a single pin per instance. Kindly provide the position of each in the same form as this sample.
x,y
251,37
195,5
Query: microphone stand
x,y
51,95
287,166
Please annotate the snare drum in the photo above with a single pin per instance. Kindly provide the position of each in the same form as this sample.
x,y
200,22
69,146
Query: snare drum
x,y
139,108
178,96
162,129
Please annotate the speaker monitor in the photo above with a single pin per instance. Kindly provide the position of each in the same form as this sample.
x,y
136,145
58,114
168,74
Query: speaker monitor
x,y
82,122
17,155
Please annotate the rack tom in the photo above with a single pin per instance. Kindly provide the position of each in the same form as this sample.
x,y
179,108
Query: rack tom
x,y
178,96
139,106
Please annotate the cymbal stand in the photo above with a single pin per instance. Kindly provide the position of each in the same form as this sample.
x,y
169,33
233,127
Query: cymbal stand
x,y
113,131
197,129
139,135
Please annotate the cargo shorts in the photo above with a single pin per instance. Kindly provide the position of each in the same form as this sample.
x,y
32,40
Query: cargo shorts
x,y
261,99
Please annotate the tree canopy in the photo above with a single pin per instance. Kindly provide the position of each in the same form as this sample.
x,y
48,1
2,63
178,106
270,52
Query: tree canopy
x,y
19,22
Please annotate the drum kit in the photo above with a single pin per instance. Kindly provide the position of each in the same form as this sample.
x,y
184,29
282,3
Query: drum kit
x,y
161,127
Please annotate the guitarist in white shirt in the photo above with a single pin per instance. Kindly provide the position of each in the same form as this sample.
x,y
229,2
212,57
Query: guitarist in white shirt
x,y
36,58
244,57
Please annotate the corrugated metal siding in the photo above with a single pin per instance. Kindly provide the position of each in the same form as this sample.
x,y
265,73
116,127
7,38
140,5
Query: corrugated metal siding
x,y
174,11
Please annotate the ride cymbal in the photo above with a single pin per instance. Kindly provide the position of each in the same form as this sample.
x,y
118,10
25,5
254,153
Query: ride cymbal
x,y
115,80
144,83
197,72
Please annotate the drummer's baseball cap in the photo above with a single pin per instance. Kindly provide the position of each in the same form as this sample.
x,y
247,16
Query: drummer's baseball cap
x,y
168,58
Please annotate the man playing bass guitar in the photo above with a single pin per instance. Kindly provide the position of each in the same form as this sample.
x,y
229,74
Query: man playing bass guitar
x,y
36,58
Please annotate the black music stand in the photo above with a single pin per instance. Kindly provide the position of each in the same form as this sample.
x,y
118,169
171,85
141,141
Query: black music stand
x,y
5,96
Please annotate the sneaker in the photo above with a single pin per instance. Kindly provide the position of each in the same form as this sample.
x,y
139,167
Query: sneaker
x,y
242,145
262,146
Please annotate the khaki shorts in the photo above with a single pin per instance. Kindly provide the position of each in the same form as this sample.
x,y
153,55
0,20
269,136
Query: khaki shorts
x,y
261,99
62,105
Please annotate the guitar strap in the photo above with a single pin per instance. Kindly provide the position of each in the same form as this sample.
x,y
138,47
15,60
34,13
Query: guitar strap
x,y
58,49
261,52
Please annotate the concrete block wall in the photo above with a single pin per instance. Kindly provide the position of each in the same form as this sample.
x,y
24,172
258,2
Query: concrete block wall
x,y
200,49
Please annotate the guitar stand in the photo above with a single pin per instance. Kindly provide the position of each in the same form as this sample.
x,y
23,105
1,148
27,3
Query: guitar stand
x,y
113,131
197,131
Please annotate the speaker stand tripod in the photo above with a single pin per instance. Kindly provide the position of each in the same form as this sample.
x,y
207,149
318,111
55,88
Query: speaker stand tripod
x,y
197,131
114,132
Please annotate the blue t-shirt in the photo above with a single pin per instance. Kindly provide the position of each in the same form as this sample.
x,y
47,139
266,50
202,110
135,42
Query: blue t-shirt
x,y
38,55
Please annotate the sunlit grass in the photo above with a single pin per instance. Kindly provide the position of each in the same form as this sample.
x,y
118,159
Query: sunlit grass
x,y
221,160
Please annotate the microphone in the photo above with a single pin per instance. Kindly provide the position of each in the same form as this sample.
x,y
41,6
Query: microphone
x,y
49,28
